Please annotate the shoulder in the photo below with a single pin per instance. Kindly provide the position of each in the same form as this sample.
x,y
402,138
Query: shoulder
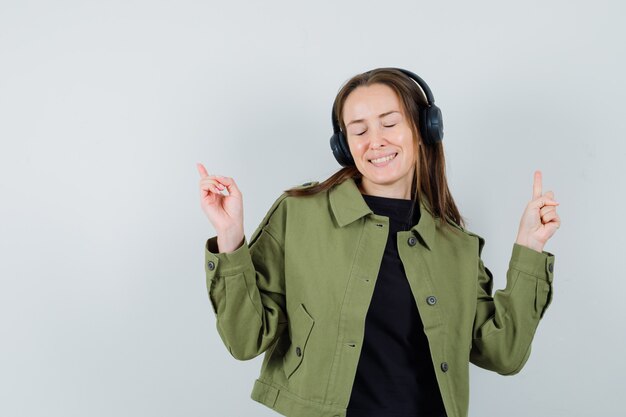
x,y
284,196
305,185
278,211
307,204
310,184
469,235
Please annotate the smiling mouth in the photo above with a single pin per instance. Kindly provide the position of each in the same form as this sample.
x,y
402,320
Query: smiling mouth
x,y
383,159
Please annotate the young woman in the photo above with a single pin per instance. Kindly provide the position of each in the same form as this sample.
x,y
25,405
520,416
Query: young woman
x,y
366,293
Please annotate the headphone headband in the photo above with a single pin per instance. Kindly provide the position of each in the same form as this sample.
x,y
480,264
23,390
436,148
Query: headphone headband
x,y
425,88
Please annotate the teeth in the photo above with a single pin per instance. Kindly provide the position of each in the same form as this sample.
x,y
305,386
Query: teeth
x,y
385,159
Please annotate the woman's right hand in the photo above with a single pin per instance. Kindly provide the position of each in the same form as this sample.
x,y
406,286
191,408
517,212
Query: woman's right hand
x,y
225,212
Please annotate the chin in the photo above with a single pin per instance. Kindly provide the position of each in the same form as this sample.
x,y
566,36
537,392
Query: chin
x,y
383,179
384,176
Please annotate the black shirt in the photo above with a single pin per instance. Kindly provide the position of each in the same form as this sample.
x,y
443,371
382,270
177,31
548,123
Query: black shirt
x,y
395,375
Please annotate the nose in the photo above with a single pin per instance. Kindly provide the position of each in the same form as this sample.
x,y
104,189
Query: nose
x,y
377,139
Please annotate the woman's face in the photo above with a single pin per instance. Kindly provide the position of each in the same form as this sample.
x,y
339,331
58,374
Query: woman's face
x,y
376,127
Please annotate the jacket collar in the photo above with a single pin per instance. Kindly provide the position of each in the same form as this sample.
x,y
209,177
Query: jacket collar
x,y
348,205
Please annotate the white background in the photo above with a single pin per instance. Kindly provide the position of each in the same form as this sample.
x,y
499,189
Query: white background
x,y
105,107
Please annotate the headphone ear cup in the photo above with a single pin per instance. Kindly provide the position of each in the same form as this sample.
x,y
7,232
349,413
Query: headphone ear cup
x,y
341,150
431,124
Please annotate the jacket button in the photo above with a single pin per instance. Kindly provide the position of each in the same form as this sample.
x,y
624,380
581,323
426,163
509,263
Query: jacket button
x,y
298,351
550,267
412,241
444,366
211,265
432,300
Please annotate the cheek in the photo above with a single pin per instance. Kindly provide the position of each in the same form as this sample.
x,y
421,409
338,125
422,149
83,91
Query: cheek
x,y
356,148
407,145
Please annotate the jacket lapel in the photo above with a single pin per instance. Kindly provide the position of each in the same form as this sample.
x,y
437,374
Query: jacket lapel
x,y
347,205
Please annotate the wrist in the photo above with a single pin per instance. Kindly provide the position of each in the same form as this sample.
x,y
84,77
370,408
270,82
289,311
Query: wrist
x,y
529,243
229,241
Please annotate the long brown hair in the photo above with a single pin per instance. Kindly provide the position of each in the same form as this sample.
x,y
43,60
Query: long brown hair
x,y
430,172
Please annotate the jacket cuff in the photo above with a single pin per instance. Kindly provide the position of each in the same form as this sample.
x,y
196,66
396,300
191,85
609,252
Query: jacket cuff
x,y
529,261
225,264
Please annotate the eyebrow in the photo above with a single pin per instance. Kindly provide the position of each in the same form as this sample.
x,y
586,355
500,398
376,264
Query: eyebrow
x,y
379,116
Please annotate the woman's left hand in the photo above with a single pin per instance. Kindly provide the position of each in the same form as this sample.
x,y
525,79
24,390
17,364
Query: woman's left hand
x,y
540,220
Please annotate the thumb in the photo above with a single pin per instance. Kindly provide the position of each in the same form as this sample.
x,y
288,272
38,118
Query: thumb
x,y
543,201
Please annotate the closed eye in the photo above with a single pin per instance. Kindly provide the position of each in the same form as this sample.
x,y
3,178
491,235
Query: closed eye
x,y
390,125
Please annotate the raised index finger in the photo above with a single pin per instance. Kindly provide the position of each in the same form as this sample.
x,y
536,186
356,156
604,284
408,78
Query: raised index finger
x,y
202,170
537,185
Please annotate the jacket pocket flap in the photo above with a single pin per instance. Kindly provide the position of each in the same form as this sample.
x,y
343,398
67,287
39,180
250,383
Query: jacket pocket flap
x,y
300,326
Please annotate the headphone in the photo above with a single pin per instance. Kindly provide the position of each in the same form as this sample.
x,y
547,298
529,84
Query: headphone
x,y
430,123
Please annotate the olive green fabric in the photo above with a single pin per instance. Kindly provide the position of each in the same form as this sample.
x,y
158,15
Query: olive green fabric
x,y
300,291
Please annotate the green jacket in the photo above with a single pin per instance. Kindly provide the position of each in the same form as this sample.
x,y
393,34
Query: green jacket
x,y
300,291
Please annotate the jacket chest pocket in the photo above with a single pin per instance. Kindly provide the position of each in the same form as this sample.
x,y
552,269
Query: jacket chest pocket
x,y
300,324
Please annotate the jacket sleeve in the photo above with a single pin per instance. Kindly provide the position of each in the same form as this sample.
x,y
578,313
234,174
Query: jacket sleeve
x,y
246,289
505,323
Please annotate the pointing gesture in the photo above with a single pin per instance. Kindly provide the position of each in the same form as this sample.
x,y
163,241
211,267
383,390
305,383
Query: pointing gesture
x,y
540,219
225,212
